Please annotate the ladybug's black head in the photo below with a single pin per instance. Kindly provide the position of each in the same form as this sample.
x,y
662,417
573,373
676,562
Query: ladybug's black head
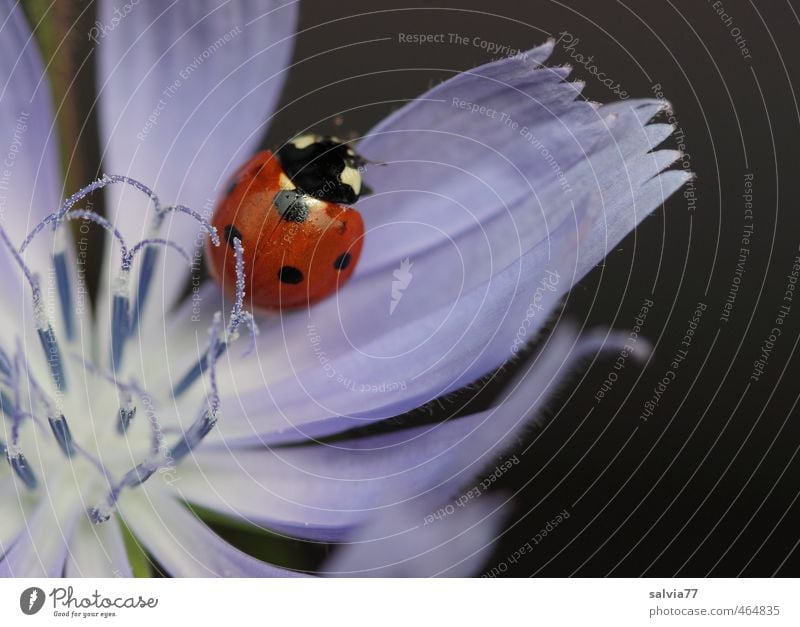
x,y
324,167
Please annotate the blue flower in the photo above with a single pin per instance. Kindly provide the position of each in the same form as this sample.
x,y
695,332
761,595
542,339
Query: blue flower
x,y
493,194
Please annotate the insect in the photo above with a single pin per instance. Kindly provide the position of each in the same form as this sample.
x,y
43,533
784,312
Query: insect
x,y
301,243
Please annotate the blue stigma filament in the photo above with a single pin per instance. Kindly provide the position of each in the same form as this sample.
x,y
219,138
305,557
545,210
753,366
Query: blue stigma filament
x,y
62,434
53,353
6,404
85,214
145,279
64,210
5,364
124,322
101,513
149,243
204,222
218,347
198,369
121,317
125,415
121,314
107,179
127,390
120,328
64,293
58,423
70,202
120,303
238,304
12,410
120,307
188,441
215,347
119,178
140,473
151,256
136,476
11,406
58,216
21,468
45,330
192,436
213,397
249,321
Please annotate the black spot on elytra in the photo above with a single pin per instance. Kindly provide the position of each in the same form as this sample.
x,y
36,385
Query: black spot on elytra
x,y
231,186
290,275
342,261
230,233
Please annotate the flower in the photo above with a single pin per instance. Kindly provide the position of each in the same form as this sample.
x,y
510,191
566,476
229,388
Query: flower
x,y
496,192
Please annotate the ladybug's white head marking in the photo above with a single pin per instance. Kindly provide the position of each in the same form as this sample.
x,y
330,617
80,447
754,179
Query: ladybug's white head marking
x,y
304,141
351,176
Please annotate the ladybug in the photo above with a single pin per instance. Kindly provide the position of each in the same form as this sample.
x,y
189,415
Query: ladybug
x,y
288,208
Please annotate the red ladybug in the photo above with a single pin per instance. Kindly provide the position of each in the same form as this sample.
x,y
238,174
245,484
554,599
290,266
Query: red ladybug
x,y
300,244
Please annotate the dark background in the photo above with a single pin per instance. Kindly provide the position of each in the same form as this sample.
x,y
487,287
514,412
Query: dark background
x,y
709,484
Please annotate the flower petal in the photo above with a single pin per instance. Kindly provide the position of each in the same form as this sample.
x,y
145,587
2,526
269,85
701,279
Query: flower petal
x,y
185,92
97,551
460,154
321,392
398,336
324,491
30,184
184,545
40,549
17,505
411,542
29,179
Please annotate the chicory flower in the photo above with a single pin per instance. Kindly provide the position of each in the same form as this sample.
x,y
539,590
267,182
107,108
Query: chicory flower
x,y
493,194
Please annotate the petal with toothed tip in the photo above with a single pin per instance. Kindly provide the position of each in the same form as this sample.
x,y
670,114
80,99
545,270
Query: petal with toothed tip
x,y
473,281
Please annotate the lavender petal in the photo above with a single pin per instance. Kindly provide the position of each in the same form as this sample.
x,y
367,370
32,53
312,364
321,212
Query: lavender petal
x,y
185,93
325,491
41,547
465,294
183,544
97,551
416,541
32,184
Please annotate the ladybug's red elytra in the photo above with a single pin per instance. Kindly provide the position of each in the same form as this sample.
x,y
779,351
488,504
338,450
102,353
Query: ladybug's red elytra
x,y
301,243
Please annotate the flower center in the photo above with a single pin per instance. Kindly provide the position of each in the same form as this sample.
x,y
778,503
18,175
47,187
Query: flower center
x,y
91,411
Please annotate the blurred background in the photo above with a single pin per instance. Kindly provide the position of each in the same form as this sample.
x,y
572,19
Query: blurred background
x,y
704,481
